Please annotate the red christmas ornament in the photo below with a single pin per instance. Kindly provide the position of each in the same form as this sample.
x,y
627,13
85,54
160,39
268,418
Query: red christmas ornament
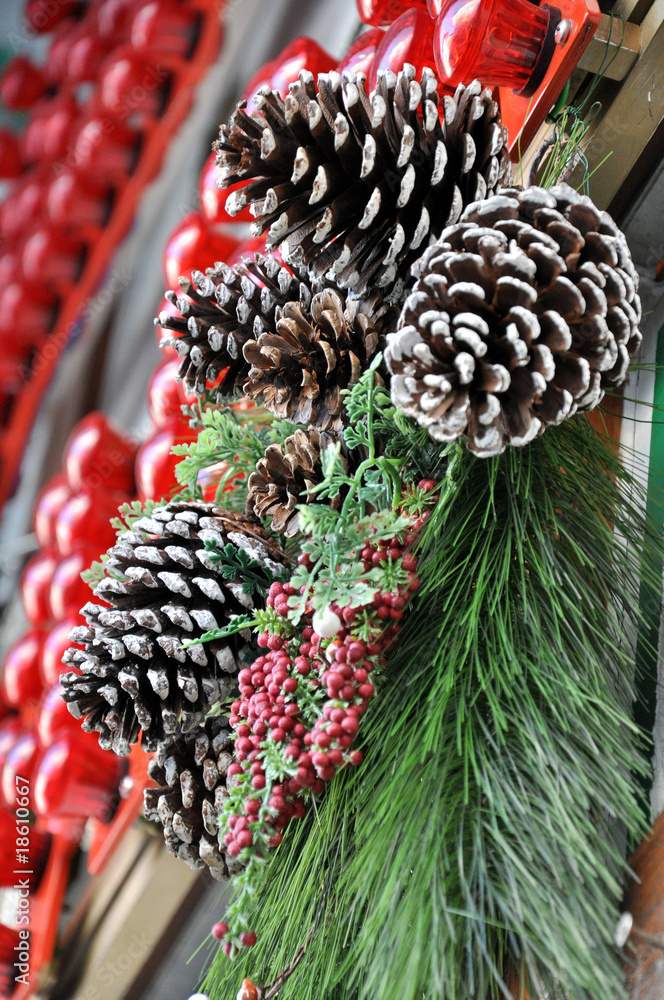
x,y
261,78
114,19
166,396
360,55
74,203
24,319
11,163
35,586
167,307
302,53
76,778
21,676
106,149
52,258
55,719
22,211
10,730
213,198
84,521
194,246
49,131
44,15
496,41
85,56
68,593
383,12
98,455
155,466
131,83
52,497
165,27
56,644
22,762
409,40
22,84
64,38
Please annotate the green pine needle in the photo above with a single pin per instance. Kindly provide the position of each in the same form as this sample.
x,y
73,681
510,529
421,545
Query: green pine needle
x,y
484,834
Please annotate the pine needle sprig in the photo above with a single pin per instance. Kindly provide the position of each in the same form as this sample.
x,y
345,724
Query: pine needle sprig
x,y
480,845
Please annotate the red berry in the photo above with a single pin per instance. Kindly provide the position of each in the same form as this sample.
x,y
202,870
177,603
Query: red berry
x,y
220,930
258,782
248,940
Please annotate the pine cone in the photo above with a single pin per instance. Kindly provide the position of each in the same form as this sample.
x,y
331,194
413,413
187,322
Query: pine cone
x,y
300,369
221,311
283,477
522,314
355,185
167,588
189,772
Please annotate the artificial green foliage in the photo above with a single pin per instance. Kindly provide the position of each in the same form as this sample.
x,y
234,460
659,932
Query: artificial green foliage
x,y
233,562
484,835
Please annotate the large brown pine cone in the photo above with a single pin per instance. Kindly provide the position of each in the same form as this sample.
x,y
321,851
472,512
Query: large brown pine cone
x,y
355,185
300,369
166,588
221,310
284,475
523,313
189,775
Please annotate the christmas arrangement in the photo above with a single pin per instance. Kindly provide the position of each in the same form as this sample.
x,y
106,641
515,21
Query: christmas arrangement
x,y
387,673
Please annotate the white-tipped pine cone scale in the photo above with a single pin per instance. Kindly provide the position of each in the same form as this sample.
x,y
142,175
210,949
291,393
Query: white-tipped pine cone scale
x,y
523,313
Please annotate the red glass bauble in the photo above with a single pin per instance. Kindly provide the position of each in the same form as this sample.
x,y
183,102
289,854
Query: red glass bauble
x,y
99,456
256,244
11,162
114,19
302,53
56,644
84,521
68,592
64,38
194,246
21,676
44,15
213,198
53,495
55,719
21,84
131,83
48,134
360,55
13,946
37,852
74,783
166,396
52,258
85,57
25,207
165,26
495,41
25,319
73,203
261,78
35,586
10,730
106,149
383,12
155,466
21,762
409,40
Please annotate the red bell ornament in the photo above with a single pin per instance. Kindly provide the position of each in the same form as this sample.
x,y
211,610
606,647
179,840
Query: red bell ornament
x,y
503,43
165,26
84,521
131,83
360,55
55,719
107,149
301,53
10,731
77,779
409,40
383,12
99,456
11,161
85,57
56,644
73,201
166,396
24,208
213,198
64,38
68,593
49,131
35,586
194,246
44,15
155,465
53,258
21,675
22,84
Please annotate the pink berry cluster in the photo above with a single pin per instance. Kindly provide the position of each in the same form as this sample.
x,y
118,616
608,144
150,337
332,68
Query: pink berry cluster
x,y
301,703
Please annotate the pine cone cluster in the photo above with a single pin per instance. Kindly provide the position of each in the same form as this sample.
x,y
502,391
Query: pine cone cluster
x,y
284,475
189,775
354,186
166,587
523,313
